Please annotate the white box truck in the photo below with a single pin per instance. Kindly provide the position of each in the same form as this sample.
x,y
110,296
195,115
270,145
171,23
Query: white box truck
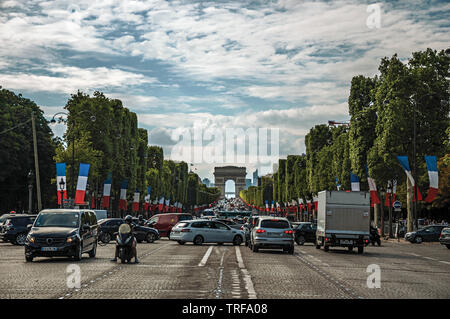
x,y
343,220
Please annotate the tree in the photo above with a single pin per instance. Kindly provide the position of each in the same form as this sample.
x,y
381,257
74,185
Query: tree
x,y
17,155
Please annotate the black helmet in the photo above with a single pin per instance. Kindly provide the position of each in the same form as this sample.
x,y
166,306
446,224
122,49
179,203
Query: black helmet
x,y
141,217
128,218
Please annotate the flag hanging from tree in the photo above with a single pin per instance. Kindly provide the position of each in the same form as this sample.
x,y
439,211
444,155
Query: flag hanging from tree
x,y
354,180
404,162
136,201
107,191
81,183
433,176
123,195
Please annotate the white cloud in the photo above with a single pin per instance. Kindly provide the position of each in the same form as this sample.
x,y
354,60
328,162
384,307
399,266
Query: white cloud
x,y
69,79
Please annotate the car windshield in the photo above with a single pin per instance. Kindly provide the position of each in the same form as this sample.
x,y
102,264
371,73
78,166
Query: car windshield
x,y
3,218
58,219
273,223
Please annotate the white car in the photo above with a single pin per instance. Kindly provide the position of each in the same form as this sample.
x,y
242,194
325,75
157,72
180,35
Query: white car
x,y
201,231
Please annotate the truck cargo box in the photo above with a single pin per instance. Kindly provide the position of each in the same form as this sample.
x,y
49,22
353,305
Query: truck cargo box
x,y
343,214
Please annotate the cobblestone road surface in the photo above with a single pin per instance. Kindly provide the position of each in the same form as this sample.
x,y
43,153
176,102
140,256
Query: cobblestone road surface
x,y
169,270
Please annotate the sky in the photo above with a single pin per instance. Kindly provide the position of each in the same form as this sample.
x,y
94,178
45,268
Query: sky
x,y
281,65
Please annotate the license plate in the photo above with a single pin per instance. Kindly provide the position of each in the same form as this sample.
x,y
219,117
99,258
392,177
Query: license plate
x,y
49,248
347,242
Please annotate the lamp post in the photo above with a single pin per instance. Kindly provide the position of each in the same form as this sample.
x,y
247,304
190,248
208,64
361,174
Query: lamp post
x,y
62,120
30,191
61,189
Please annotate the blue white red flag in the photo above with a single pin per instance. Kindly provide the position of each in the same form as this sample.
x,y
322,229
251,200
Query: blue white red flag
x,y
82,182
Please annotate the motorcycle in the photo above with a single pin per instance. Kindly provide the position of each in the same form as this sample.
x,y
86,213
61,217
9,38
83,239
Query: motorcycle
x,y
124,241
375,237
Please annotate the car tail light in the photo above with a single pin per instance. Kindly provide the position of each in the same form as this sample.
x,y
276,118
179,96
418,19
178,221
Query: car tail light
x,y
260,230
288,232
185,230
242,227
327,239
367,241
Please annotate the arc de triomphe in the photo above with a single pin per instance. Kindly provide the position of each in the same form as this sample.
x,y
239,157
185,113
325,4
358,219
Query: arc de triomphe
x,y
236,174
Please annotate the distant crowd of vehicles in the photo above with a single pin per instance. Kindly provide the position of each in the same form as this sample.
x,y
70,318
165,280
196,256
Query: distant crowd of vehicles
x,y
343,221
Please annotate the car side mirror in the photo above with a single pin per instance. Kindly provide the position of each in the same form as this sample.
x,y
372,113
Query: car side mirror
x,y
29,226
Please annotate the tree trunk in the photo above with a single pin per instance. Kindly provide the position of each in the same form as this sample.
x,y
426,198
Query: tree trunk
x,y
409,205
376,215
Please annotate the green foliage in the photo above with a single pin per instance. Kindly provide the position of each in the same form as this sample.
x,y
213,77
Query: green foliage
x,y
17,155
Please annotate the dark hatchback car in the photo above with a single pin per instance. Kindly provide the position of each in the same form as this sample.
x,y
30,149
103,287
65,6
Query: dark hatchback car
x,y
62,232
305,233
109,226
444,239
13,227
428,233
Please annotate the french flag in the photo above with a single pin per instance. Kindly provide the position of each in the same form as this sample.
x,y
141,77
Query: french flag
x,y
354,180
167,205
404,162
433,176
374,199
136,201
107,191
123,195
147,198
82,182
61,175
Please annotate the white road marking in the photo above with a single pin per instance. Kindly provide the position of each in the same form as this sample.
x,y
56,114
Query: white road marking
x,y
444,262
247,278
239,258
205,257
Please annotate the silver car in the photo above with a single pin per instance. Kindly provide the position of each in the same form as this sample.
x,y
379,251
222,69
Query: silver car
x,y
201,231
272,232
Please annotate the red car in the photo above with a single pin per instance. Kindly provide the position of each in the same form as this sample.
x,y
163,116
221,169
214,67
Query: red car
x,y
164,222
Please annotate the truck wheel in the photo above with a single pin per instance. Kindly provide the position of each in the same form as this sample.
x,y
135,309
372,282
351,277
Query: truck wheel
x,y
291,250
326,248
360,250
29,259
317,246
93,252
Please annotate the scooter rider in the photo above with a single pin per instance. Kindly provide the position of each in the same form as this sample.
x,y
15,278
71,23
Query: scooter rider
x,y
128,220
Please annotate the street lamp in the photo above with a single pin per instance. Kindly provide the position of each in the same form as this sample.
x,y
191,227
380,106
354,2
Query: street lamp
x,y
62,120
61,189
30,191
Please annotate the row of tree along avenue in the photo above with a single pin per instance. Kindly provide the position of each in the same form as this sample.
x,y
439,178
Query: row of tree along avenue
x,y
103,136
397,137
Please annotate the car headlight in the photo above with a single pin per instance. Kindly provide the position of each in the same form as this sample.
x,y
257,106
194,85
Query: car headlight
x,y
71,239
30,239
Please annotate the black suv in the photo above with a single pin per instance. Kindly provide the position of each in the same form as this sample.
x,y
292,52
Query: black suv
x,y
305,233
109,226
14,229
62,232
